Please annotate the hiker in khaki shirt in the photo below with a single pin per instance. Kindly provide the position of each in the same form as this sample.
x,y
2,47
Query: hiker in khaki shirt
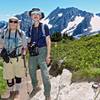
x,y
13,70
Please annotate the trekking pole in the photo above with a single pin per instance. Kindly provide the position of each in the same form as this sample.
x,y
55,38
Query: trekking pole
x,y
24,60
0,50
96,90
98,93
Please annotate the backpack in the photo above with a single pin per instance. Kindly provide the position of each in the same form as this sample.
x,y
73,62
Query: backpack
x,y
33,47
43,30
20,33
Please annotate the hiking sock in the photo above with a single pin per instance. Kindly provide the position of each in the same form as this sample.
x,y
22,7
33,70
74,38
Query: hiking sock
x,y
11,88
18,86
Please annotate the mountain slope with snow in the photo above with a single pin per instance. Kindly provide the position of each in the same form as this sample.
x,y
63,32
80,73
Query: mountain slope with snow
x,y
71,21
95,23
72,25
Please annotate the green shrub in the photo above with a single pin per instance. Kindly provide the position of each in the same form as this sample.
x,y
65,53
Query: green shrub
x,y
56,37
66,37
3,85
90,74
80,54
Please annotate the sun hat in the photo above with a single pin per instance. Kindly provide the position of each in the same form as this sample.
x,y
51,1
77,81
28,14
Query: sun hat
x,y
13,17
36,11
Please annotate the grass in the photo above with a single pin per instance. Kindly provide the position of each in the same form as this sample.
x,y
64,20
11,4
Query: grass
x,y
90,74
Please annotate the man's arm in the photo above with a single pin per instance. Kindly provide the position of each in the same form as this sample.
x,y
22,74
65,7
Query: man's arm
x,y
24,43
48,42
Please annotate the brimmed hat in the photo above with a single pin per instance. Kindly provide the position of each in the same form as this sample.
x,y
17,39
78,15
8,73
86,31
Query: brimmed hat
x,y
16,19
13,17
36,11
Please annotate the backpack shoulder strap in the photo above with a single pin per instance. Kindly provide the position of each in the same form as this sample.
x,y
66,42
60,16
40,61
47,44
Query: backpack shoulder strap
x,y
43,29
4,33
29,31
20,33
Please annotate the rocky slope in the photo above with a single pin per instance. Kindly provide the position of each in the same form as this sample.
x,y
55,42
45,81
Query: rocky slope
x,y
63,89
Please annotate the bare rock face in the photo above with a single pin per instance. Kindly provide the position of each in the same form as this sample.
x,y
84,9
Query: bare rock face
x,y
62,89
77,91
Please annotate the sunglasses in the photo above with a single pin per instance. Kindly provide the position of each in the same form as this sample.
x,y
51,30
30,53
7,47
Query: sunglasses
x,y
13,21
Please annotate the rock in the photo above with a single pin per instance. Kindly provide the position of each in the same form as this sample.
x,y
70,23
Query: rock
x,y
56,67
65,79
57,83
54,70
82,91
62,89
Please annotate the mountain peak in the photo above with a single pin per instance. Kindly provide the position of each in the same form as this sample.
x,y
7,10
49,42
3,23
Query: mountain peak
x,y
71,21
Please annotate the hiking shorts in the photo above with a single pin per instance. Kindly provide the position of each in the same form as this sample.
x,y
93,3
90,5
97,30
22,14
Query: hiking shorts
x,y
15,68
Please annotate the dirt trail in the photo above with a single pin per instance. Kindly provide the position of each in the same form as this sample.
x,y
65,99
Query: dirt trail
x,y
26,87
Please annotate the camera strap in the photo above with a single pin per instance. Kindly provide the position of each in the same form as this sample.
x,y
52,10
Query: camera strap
x,y
9,39
36,35
15,42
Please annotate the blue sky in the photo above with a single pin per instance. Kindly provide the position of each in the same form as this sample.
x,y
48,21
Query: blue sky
x,y
12,7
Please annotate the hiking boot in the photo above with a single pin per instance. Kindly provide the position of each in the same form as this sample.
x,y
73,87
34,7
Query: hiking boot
x,y
12,95
16,95
47,97
96,85
34,91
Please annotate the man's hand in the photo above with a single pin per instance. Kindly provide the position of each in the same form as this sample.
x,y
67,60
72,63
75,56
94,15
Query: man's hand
x,y
24,50
48,59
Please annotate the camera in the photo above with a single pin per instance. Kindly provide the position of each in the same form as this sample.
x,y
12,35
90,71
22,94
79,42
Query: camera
x,y
33,49
13,54
5,55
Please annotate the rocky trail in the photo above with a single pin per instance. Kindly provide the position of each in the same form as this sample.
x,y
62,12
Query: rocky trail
x,y
62,88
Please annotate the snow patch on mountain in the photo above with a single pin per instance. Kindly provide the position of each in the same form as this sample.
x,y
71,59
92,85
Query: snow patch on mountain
x,y
46,21
72,25
95,23
60,14
77,20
